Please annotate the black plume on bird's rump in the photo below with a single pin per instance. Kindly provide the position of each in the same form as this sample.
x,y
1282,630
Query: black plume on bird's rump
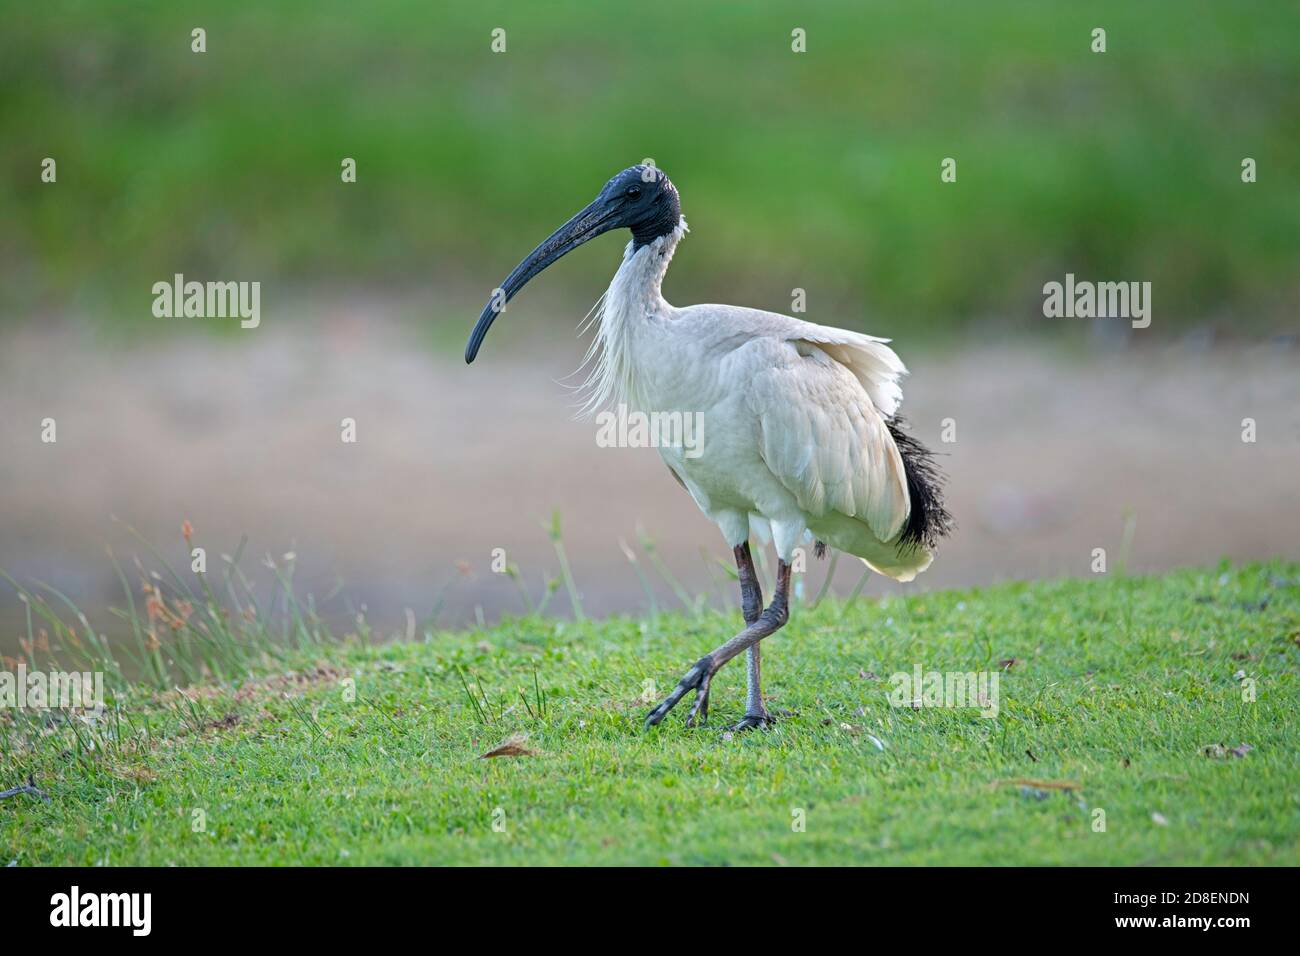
x,y
928,520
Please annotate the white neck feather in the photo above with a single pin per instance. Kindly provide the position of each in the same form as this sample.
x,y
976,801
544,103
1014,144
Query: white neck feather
x,y
632,299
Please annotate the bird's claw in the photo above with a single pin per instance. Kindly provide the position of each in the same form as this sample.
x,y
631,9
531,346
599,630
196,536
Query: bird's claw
x,y
751,722
699,714
697,679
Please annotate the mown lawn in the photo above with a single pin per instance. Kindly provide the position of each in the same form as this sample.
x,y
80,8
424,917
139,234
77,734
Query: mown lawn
x,y
1127,691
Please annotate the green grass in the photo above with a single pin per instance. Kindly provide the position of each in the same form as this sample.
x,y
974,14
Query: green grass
x,y
1119,686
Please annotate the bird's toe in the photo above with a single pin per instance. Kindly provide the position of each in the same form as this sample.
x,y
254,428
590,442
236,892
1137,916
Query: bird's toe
x,y
696,679
764,720
699,714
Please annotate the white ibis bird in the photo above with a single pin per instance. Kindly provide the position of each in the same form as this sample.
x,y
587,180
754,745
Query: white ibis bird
x,y
800,441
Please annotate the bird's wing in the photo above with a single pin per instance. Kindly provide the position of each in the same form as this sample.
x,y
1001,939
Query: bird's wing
x,y
823,434
870,359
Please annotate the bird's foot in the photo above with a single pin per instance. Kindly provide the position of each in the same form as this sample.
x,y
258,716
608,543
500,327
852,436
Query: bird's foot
x,y
696,679
764,718
752,722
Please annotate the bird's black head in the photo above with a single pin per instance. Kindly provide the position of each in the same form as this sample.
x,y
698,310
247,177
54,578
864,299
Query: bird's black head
x,y
646,202
640,198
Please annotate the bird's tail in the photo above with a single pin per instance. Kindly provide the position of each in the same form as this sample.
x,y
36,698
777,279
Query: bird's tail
x,y
928,520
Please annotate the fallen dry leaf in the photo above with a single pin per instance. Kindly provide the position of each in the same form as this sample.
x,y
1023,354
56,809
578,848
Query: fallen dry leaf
x,y
134,774
1219,751
512,746
225,723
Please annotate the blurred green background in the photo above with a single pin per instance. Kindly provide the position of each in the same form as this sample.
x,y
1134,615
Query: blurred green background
x,y
818,170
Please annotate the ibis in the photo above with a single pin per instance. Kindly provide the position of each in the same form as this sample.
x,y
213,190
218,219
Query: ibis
x,y
801,441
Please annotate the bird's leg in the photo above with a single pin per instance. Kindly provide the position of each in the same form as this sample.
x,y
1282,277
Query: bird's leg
x,y
756,713
751,592
751,602
699,676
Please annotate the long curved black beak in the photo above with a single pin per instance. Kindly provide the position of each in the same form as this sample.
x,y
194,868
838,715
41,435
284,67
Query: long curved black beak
x,y
595,219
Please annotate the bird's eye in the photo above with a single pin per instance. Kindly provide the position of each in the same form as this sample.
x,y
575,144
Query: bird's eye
x,y
633,192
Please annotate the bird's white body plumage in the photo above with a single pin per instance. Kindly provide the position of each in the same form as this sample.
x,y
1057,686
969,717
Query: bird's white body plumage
x,y
794,414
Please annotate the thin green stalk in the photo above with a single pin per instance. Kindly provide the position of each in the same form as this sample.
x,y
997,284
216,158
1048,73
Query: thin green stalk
x,y
645,582
826,583
862,581
648,545
565,571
